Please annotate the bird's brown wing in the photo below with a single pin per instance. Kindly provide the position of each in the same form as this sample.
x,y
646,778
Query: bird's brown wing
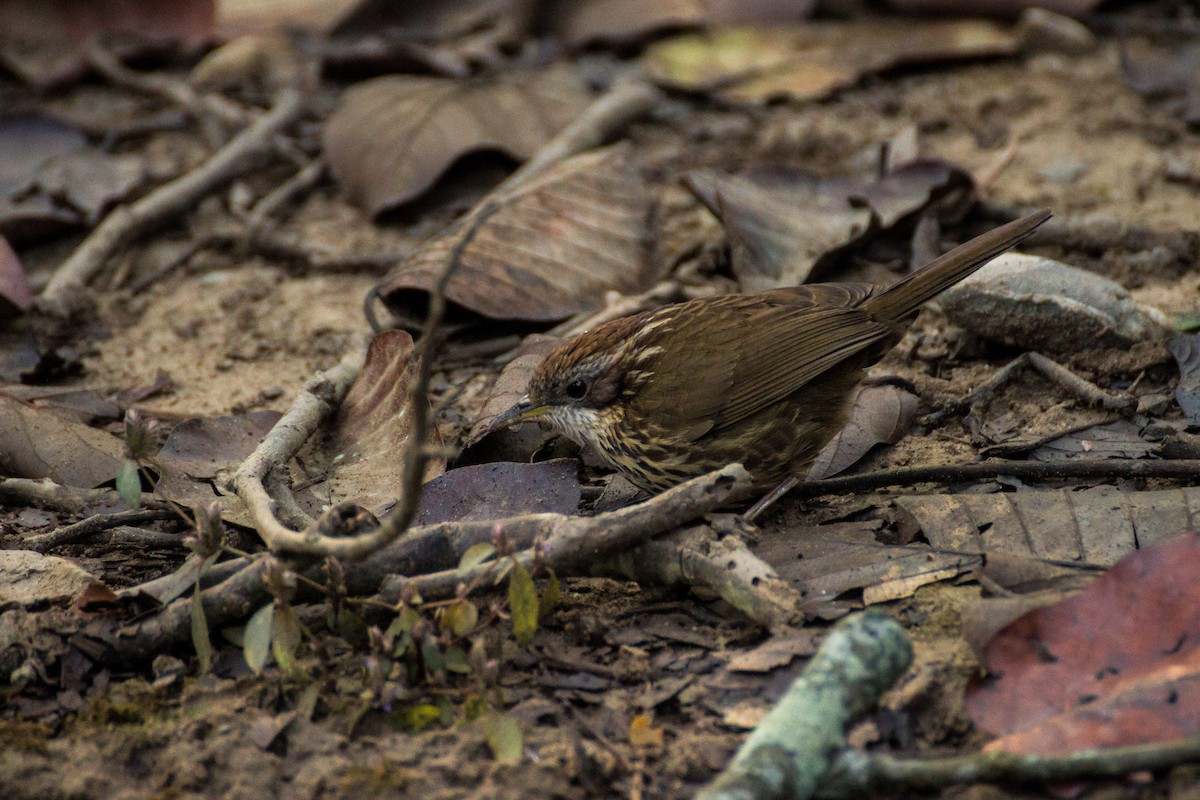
x,y
754,350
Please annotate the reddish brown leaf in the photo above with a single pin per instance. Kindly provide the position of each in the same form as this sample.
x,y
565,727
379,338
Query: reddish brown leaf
x,y
392,137
552,250
1117,664
41,444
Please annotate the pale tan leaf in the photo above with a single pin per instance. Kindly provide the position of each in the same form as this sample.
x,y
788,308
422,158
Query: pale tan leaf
x,y
812,61
35,443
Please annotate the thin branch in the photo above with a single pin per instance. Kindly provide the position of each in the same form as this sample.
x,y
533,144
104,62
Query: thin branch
x,y
302,181
572,543
69,534
1099,469
856,774
168,201
1085,390
59,497
792,749
700,557
318,400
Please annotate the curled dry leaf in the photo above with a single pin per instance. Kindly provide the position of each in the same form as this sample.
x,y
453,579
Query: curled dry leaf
x,y
1040,304
553,249
502,489
362,458
754,65
35,443
1117,664
783,222
1095,526
882,414
392,137
587,21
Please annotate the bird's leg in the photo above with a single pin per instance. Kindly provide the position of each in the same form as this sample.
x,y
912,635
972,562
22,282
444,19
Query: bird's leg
x,y
769,499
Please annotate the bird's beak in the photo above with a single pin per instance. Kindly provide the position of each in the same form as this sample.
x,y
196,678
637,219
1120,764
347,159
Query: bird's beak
x,y
521,411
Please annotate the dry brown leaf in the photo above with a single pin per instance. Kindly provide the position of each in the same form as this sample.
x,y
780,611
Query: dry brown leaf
x,y
754,65
882,414
1093,526
825,561
501,489
778,651
201,454
362,458
41,444
586,21
783,223
553,249
393,137
44,43
1117,664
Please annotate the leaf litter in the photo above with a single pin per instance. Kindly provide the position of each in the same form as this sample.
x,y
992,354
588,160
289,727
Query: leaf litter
x,y
624,650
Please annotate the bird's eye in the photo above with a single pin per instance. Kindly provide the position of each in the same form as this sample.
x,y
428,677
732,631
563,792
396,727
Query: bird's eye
x,y
576,389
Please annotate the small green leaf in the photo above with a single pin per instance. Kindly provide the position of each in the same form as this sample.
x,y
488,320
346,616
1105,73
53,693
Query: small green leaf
x,y
504,737
434,660
456,660
306,704
550,595
417,718
522,603
460,618
1188,323
351,627
200,639
285,639
129,484
476,554
257,639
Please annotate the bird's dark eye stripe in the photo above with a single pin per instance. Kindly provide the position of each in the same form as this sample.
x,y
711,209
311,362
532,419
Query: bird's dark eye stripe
x,y
576,389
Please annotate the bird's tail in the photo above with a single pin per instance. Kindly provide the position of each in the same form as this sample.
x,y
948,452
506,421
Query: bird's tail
x,y
905,296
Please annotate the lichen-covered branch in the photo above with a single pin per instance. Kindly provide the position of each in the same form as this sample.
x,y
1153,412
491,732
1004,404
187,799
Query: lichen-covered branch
x,y
791,750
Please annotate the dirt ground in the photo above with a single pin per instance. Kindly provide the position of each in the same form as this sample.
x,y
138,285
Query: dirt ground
x,y
241,333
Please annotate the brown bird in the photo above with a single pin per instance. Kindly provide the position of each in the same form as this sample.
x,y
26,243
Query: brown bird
x,y
760,378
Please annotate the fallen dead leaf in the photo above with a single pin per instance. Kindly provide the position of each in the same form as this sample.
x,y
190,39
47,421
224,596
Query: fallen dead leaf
x,y
998,8
589,21
501,489
1117,664
362,458
551,250
882,414
808,62
783,223
1185,347
35,443
393,137
200,454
